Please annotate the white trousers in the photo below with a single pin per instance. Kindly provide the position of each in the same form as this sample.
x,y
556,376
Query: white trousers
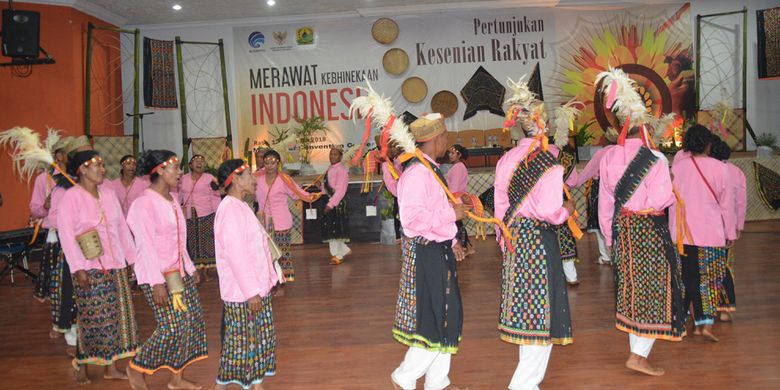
x,y
418,362
640,345
603,253
569,270
338,248
531,366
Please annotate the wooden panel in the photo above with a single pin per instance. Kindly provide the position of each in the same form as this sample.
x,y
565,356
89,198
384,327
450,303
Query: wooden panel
x,y
472,138
498,137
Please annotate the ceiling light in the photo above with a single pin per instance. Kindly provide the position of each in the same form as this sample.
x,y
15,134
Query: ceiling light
x,y
271,2
176,7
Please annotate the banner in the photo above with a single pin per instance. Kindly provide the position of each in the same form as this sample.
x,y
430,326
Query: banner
x,y
284,72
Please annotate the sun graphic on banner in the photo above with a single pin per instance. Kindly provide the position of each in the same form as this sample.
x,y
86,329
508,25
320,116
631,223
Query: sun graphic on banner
x,y
654,51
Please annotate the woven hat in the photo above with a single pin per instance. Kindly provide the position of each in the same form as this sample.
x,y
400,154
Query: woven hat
x,y
445,103
384,30
427,127
62,143
76,143
395,61
414,89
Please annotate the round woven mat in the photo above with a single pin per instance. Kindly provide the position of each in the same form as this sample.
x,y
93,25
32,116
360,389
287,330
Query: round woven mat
x,y
395,61
414,89
384,30
445,103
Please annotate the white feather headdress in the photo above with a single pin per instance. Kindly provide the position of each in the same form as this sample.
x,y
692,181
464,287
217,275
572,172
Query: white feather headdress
x,y
521,95
661,126
28,155
564,121
379,110
622,97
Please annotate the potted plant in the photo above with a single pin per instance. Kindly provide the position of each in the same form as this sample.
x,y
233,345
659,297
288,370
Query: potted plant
x,y
765,143
387,214
304,134
582,138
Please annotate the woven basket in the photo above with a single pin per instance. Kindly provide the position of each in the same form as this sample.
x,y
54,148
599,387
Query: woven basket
x,y
395,61
384,30
445,103
90,245
414,89
174,281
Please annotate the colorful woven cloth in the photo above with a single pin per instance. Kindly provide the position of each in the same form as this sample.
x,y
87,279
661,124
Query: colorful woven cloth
x,y
248,344
63,298
200,240
768,28
768,183
159,80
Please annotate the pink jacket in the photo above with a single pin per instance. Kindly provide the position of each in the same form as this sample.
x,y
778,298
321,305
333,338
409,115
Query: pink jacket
x,y
338,179
423,205
653,194
198,194
127,195
544,202
160,232
244,262
591,169
42,187
275,207
739,184
458,178
80,212
711,218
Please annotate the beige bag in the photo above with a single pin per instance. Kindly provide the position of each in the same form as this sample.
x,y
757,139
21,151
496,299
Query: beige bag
x,y
90,245
174,281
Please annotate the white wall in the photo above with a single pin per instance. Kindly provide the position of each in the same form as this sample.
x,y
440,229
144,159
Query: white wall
x,y
163,129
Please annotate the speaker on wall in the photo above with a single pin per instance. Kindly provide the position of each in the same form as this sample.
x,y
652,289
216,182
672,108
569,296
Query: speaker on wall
x,y
21,33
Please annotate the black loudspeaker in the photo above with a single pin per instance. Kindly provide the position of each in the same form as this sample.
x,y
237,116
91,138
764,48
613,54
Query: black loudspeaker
x,y
21,33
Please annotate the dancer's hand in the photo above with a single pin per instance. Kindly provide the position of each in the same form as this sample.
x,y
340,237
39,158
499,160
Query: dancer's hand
x,y
459,252
82,279
460,210
327,209
160,294
255,303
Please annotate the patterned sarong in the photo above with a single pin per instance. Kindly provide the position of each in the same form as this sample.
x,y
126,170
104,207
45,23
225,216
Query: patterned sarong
x,y
248,344
107,328
429,311
704,269
180,336
62,295
728,297
200,240
51,253
334,223
283,239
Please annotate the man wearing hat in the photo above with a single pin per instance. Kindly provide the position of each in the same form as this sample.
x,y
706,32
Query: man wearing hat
x,y
53,279
429,314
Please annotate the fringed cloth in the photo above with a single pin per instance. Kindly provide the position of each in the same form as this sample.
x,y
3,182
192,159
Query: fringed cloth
x,y
728,297
107,328
248,344
200,240
704,269
62,296
429,311
534,301
180,336
648,297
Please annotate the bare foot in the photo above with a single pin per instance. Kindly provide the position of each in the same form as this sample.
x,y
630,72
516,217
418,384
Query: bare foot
x,y
40,299
279,291
81,376
182,383
257,386
112,373
640,364
697,331
136,378
70,351
53,334
726,316
707,333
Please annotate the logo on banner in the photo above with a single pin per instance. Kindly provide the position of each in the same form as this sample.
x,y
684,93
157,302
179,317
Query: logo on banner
x,y
256,39
280,37
304,36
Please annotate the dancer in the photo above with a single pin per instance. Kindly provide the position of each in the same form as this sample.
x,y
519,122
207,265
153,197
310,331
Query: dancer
x,y
534,311
165,275
566,239
199,203
96,242
429,313
458,181
127,186
246,277
728,299
704,187
635,188
274,187
334,223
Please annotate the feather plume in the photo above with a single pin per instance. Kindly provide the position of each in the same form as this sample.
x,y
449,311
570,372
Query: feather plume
x,y
346,157
521,95
622,97
564,121
27,155
661,126
380,110
52,138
